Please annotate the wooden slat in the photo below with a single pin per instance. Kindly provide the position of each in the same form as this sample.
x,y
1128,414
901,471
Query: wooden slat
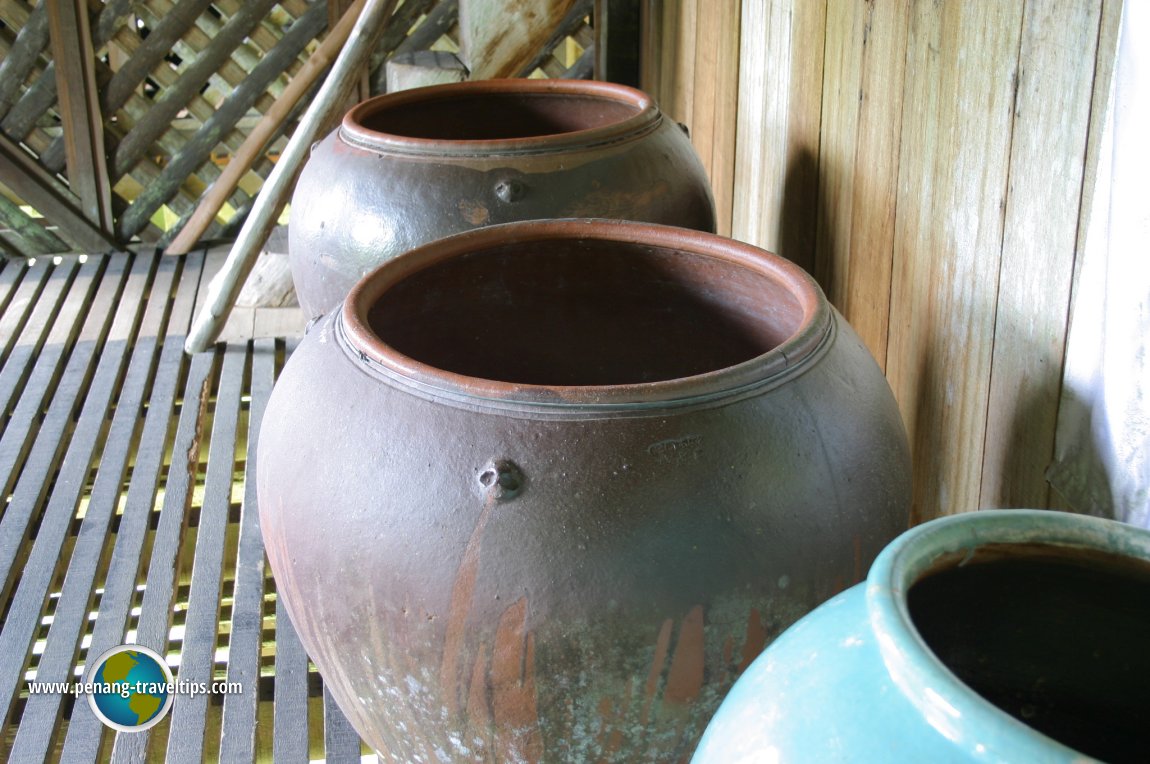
x,y
948,240
156,608
151,52
35,239
79,109
22,288
439,22
31,41
83,741
290,738
12,273
197,658
859,160
262,134
40,721
340,742
1047,156
30,492
197,150
48,196
714,110
107,348
53,321
238,736
43,367
290,734
561,30
137,142
780,96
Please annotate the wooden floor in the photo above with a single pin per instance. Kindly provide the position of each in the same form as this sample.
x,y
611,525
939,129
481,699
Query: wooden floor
x,y
129,516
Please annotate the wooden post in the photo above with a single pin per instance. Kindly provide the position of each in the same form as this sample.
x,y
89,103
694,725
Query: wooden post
x,y
80,109
226,287
253,145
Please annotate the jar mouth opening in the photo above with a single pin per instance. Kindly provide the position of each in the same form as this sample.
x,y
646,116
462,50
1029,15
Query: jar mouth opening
x,y
1028,621
582,311
500,116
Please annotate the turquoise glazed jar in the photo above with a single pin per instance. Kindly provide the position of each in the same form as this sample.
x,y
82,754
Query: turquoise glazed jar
x,y
994,636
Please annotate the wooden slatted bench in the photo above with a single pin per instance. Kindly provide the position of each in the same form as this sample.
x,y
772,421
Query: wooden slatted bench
x,y
129,516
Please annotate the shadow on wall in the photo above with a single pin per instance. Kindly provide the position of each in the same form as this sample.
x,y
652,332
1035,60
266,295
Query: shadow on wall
x,y
798,217
1078,474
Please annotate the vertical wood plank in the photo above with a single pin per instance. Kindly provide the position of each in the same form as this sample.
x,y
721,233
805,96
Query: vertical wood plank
x,y
197,657
858,161
780,100
1070,408
50,319
159,589
40,720
32,511
238,736
22,287
85,732
723,137
1047,157
290,722
108,355
948,240
79,107
340,741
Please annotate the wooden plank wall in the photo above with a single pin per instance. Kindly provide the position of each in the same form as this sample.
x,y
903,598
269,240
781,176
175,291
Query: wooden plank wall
x,y
926,161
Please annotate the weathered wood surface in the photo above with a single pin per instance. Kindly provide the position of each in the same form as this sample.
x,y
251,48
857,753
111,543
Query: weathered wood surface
x,y
157,97
264,131
499,38
79,109
939,203
131,517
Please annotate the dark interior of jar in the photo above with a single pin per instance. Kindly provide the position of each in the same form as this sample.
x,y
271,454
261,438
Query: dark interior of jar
x,y
494,116
573,312
1060,640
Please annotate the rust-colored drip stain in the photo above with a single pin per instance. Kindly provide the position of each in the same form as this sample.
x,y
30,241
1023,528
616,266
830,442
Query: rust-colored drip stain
x,y
478,710
461,593
755,641
685,679
513,701
662,644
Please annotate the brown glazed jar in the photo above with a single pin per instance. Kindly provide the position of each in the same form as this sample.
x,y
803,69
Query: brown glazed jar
x,y
414,166
541,491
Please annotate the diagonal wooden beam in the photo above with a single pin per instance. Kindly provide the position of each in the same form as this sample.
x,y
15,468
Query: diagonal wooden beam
x,y
20,61
79,107
196,151
50,198
139,140
32,238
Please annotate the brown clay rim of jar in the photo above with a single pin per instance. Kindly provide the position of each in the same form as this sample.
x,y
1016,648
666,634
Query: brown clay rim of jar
x,y
463,111
813,324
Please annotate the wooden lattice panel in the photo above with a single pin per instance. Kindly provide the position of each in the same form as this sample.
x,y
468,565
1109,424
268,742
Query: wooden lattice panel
x,y
158,95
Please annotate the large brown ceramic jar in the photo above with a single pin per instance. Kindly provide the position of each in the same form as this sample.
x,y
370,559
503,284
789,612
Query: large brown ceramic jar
x,y
411,167
540,492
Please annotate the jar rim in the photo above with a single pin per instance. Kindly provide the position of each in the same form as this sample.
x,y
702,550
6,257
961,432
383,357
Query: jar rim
x,y
949,705
773,366
646,117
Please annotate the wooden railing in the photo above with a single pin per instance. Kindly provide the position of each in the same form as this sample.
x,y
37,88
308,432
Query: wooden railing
x,y
115,117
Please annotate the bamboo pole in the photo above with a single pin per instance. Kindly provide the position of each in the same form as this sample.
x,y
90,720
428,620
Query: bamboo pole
x,y
253,145
225,288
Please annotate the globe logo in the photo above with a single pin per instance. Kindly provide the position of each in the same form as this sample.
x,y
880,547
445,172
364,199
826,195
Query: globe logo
x,y
130,688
